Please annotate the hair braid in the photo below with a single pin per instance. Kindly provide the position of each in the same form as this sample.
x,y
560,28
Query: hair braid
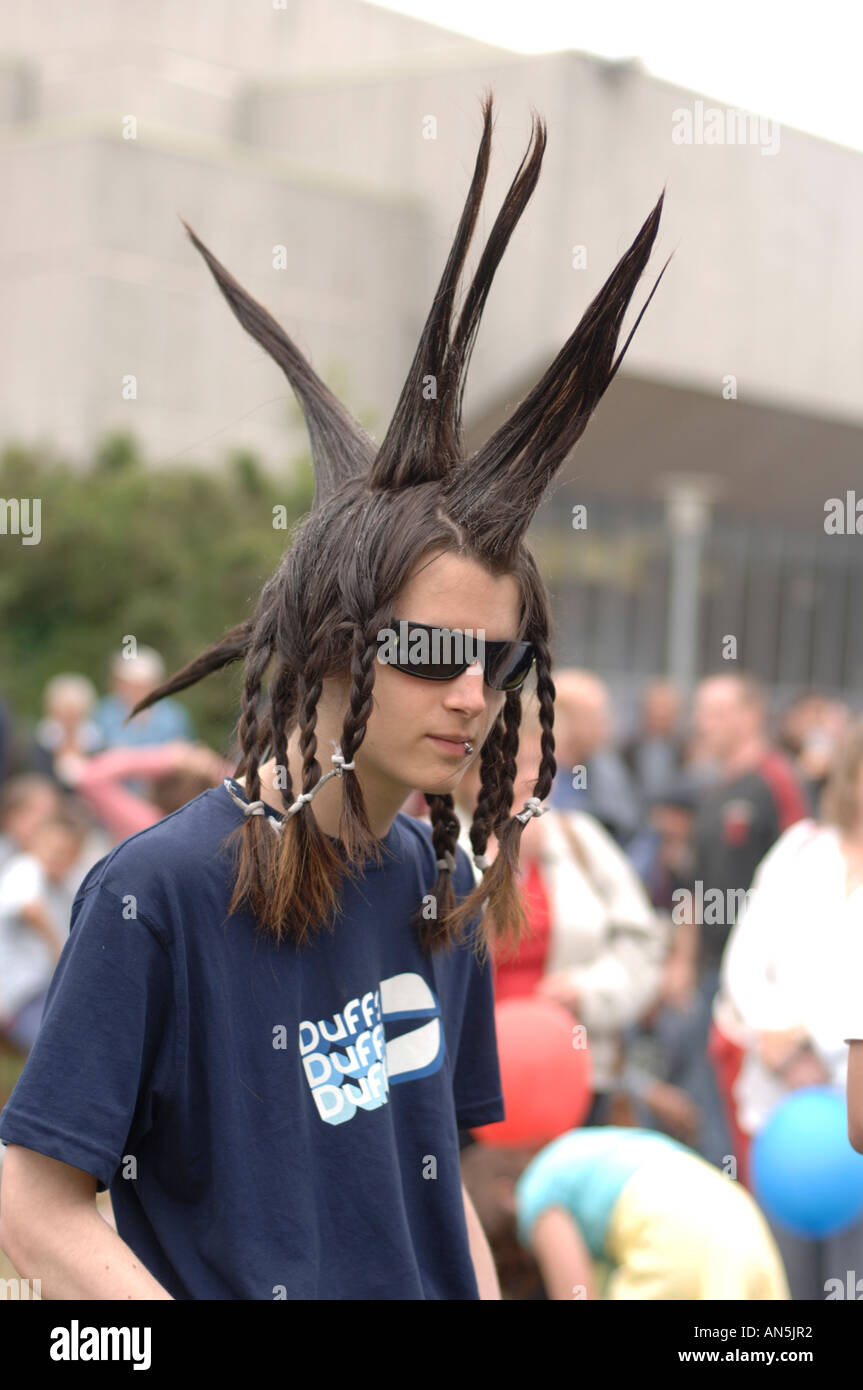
x,y
545,695
283,700
354,829
248,731
498,897
310,885
482,824
445,833
508,753
310,689
255,835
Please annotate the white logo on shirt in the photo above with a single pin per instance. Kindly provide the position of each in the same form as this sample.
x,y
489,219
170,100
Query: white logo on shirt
x,y
349,1062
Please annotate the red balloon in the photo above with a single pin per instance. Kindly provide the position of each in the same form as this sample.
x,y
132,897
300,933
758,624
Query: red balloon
x,y
545,1073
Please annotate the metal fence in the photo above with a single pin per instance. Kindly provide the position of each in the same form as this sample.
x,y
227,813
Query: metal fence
x,y
791,600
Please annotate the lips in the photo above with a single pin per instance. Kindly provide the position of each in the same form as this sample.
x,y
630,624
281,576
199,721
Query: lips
x,y
452,738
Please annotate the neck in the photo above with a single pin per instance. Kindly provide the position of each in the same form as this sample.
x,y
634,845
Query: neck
x,y
745,756
383,798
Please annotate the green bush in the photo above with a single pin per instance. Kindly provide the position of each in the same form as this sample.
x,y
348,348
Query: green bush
x,y
173,556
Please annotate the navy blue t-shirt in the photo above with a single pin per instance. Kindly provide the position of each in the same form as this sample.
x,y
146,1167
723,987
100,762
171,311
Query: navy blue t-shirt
x,y
273,1122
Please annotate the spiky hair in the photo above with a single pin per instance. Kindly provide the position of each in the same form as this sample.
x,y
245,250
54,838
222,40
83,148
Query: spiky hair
x,y
375,510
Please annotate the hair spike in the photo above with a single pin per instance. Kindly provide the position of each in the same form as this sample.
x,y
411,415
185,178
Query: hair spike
x,y
341,448
517,198
495,494
421,441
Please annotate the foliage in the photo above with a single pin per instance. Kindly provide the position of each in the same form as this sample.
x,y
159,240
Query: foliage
x,y
173,556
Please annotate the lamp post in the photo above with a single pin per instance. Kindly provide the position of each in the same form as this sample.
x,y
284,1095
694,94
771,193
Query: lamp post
x,y
688,501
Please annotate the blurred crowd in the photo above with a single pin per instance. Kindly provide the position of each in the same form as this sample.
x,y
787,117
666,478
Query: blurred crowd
x,y
71,788
683,892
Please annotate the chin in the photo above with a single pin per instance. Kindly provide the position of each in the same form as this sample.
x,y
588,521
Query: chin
x,y
439,780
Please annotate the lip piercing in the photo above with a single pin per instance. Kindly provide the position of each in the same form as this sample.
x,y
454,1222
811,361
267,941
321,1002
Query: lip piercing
x,y
468,747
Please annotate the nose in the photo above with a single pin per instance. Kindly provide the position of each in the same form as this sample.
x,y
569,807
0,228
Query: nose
x,y
467,691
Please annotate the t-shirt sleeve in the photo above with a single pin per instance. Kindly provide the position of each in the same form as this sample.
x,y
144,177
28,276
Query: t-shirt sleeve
x,y
476,1081
85,1094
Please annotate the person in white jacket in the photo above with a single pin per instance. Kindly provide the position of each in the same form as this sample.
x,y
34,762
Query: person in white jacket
x,y
604,949
791,984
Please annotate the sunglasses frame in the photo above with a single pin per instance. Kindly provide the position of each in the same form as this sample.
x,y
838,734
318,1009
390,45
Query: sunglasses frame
x,y
487,648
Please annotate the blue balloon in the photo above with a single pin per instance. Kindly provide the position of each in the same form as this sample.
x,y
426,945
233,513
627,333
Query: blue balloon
x,y
805,1174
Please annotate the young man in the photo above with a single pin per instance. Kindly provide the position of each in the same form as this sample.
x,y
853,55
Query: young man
x,y
269,1057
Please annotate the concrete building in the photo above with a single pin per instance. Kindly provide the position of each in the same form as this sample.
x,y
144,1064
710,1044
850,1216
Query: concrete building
x,y
322,149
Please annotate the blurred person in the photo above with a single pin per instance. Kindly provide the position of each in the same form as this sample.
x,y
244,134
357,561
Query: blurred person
x,y
753,798
177,772
654,754
26,800
591,776
790,985
67,725
659,1077
130,680
662,853
756,795
668,1076
810,733
34,918
620,1213
595,944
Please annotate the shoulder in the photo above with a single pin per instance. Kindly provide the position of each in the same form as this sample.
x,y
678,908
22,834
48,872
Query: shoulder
x,y
589,829
593,838
778,775
776,766
162,866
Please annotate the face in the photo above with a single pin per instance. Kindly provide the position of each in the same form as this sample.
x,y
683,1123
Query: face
x,y
23,823
721,719
129,691
57,849
674,825
661,710
583,720
406,745
68,709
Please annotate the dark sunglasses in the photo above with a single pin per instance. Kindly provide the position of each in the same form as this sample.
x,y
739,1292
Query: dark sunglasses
x,y
505,664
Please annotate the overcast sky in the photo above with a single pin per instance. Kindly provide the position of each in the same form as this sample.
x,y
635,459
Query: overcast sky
x,y
796,62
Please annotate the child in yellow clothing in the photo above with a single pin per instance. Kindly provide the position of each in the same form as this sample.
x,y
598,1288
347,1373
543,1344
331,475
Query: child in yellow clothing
x,y
669,1224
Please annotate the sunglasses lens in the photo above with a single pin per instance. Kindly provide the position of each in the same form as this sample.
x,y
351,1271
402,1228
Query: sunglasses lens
x,y
508,667
506,664
435,670
422,651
